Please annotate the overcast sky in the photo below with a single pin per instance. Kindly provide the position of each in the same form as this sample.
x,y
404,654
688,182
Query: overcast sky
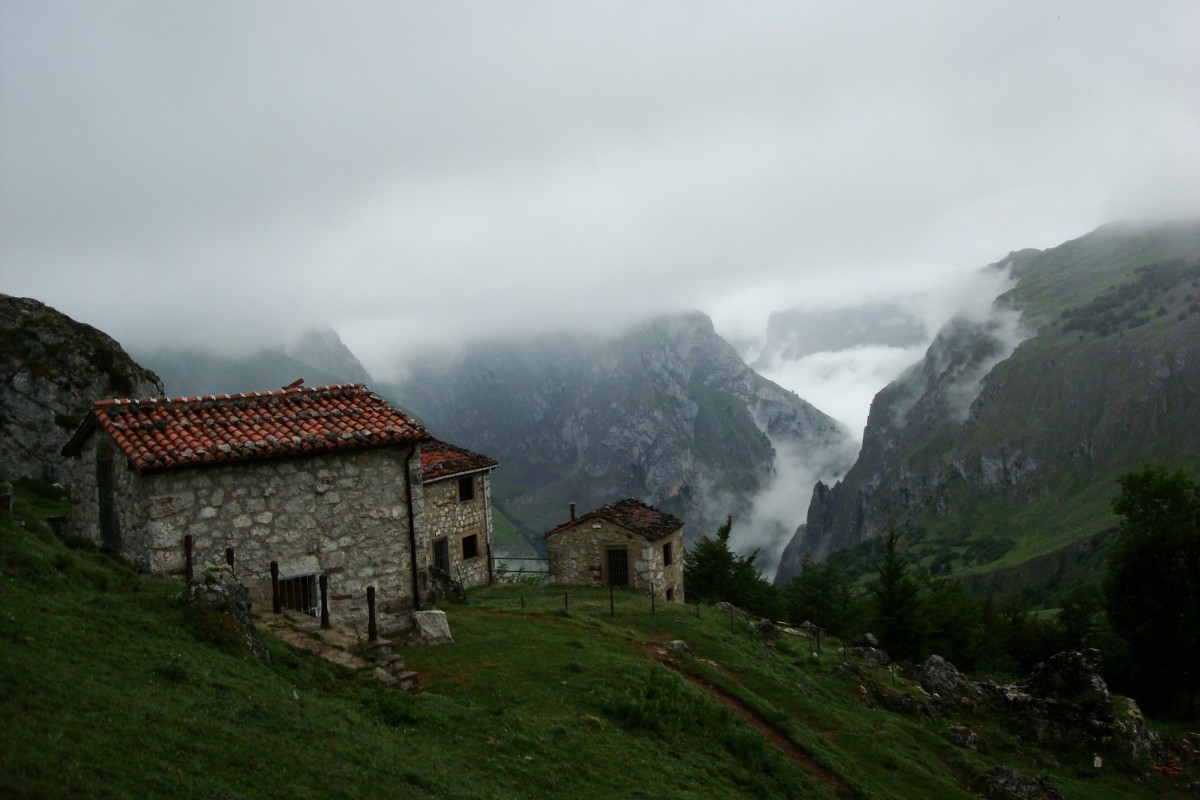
x,y
226,173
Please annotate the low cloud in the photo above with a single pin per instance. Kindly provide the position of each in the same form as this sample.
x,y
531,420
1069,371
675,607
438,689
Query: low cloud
x,y
783,505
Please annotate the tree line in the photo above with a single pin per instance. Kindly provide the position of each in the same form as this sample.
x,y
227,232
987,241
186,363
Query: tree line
x,y
1144,617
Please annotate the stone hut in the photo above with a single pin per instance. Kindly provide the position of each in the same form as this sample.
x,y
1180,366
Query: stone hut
x,y
323,481
457,486
623,544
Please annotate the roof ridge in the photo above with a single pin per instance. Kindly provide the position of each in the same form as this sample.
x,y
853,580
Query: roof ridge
x,y
224,397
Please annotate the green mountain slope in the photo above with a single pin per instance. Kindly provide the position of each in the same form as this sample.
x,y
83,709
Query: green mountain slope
x,y
112,688
992,456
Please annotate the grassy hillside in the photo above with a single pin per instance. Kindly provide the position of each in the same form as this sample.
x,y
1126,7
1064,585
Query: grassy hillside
x,y
111,688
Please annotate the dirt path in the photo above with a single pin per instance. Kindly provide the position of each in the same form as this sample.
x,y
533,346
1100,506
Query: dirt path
x,y
785,745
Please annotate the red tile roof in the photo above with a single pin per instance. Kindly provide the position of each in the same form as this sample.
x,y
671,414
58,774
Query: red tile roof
x,y
168,433
632,515
443,460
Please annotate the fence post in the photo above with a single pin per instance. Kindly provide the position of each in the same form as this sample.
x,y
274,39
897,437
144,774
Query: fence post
x,y
323,580
566,602
276,606
651,602
731,627
522,602
612,612
697,608
188,574
372,630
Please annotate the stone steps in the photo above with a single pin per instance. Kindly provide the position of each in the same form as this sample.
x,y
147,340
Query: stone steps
x,y
341,647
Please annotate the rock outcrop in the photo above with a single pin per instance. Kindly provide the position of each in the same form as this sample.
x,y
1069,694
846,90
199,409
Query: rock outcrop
x,y
218,592
1065,701
52,369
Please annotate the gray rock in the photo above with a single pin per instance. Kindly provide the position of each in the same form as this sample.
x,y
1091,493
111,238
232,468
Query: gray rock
x,y
1006,783
938,676
431,627
218,591
866,640
767,631
51,370
1072,675
678,647
870,657
1066,702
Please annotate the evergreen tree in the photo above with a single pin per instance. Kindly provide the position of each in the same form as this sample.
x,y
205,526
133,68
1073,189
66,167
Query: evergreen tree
x,y
896,595
713,572
1152,587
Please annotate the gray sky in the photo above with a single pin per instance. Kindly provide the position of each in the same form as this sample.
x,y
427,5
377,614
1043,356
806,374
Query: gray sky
x,y
226,173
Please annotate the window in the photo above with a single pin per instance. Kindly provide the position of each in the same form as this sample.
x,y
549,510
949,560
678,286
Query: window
x,y
300,594
470,546
667,554
441,555
617,561
110,532
466,488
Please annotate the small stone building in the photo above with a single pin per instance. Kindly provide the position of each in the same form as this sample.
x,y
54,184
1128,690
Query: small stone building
x,y
457,486
325,481
623,544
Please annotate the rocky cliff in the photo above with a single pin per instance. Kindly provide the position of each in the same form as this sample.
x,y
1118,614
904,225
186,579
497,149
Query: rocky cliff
x,y
666,412
1003,444
51,370
318,356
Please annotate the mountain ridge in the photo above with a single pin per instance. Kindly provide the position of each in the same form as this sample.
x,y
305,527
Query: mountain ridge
x,y
1106,377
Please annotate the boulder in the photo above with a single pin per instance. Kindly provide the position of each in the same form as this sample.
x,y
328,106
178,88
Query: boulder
x,y
1073,675
767,630
218,591
941,678
1006,783
676,647
431,627
1066,702
870,657
866,640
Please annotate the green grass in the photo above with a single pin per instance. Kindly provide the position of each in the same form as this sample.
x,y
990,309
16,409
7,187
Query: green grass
x,y
112,688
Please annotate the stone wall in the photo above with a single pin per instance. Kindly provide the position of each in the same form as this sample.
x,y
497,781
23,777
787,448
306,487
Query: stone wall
x,y
578,558
340,514
446,515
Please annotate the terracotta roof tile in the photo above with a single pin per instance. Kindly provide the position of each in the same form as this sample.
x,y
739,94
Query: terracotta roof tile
x,y
442,460
168,433
633,515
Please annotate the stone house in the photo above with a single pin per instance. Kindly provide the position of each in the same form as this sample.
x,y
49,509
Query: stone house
x,y
623,544
457,487
325,481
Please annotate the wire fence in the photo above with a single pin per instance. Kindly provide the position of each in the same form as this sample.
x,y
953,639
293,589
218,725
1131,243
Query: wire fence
x,y
531,571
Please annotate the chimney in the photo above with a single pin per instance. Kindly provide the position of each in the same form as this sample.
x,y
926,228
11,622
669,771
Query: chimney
x,y
572,512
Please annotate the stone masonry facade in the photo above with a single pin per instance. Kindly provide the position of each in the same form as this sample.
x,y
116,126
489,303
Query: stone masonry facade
x,y
578,557
341,514
466,524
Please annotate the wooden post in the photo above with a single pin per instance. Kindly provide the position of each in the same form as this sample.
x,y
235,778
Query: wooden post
x,y
229,556
188,574
522,602
372,629
651,602
323,580
612,612
566,602
697,608
276,606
